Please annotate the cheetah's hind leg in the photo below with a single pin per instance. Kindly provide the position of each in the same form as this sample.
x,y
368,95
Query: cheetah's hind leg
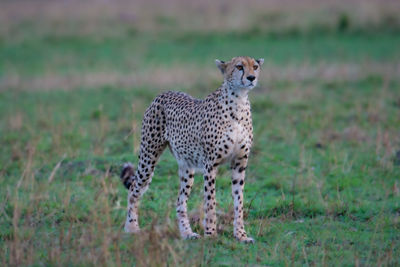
x,y
140,181
152,145
186,176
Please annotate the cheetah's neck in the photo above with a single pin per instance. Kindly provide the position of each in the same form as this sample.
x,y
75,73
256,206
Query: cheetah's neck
x,y
237,99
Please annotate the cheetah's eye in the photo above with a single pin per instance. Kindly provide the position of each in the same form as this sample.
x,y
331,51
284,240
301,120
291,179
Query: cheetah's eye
x,y
239,67
255,67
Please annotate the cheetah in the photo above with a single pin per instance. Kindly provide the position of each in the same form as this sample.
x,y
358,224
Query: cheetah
x,y
201,134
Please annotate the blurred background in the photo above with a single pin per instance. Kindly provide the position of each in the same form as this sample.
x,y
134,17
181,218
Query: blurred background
x,y
85,44
322,184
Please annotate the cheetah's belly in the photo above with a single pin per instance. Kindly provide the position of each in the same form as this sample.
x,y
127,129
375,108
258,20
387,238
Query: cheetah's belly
x,y
188,155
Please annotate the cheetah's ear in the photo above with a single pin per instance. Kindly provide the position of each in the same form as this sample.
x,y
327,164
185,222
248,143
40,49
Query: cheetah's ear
x,y
260,61
221,65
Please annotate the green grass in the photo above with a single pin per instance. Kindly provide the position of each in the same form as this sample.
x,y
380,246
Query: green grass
x,y
322,186
65,54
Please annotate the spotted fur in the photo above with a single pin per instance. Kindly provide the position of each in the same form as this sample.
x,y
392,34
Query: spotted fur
x,y
202,134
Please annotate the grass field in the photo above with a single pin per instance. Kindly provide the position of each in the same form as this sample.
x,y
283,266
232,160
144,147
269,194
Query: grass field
x,y
322,186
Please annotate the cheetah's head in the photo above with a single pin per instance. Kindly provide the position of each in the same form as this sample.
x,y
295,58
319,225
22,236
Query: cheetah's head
x,y
240,72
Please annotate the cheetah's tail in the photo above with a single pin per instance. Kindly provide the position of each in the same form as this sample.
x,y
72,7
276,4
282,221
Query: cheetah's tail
x,y
127,174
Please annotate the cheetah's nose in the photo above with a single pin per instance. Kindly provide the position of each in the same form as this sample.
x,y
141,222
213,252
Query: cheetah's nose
x,y
251,78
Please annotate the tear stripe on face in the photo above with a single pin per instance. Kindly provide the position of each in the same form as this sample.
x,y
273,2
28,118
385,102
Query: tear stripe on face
x,y
241,78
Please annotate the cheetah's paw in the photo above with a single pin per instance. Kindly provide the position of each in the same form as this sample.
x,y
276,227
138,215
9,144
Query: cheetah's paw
x,y
246,240
191,236
129,228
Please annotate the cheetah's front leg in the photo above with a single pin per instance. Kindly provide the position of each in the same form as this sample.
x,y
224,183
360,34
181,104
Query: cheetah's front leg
x,y
238,175
210,217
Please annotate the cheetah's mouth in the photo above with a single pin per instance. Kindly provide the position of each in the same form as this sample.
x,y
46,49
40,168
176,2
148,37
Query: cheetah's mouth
x,y
250,85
